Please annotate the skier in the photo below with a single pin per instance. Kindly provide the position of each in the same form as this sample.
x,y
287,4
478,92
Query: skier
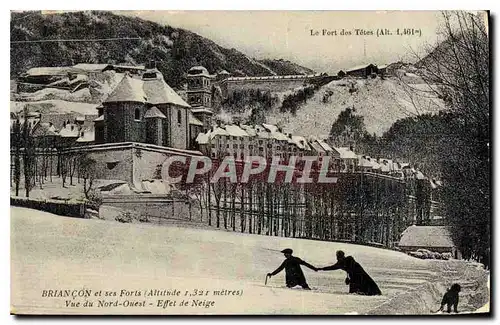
x,y
358,280
294,275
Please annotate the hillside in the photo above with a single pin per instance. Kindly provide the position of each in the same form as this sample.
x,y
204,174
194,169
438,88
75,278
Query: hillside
x,y
175,50
380,102
284,67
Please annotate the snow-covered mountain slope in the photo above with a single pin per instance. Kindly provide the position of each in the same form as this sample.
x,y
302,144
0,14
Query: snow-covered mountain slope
x,y
380,102
54,252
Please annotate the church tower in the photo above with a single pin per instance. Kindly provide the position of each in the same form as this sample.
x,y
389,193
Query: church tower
x,y
199,95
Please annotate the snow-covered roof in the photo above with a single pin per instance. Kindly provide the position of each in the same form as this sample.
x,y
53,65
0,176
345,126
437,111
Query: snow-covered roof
x,y
154,112
346,153
47,71
235,131
91,67
223,72
270,127
132,67
426,236
203,138
70,131
419,175
100,118
325,146
86,135
358,67
79,78
80,118
201,110
152,90
249,130
218,131
44,129
128,90
198,71
383,66
193,120
301,142
158,92
316,146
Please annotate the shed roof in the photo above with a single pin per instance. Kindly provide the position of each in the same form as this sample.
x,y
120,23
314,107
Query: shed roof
x,y
426,236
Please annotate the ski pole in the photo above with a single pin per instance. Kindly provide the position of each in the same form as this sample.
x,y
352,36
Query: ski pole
x,y
265,283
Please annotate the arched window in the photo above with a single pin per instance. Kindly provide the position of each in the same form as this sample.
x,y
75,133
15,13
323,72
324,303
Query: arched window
x,y
137,114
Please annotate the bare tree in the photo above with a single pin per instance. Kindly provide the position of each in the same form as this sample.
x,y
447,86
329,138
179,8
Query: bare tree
x,y
457,70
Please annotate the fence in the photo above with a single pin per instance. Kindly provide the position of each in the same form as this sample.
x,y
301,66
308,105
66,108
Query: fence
x,y
75,210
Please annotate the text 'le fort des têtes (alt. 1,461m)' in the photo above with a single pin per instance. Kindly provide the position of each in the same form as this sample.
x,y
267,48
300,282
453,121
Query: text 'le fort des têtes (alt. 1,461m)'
x,y
378,32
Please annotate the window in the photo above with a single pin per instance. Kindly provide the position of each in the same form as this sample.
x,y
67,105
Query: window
x,y
179,117
137,114
235,146
260,142
242,146
250,146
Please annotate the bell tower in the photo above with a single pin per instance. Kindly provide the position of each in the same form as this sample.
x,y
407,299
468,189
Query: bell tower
x,y
199,94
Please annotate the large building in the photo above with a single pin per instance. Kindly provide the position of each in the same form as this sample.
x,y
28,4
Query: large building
x,y
144,109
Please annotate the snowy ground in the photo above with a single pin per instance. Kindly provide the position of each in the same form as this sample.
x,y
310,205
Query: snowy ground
x,y
54,252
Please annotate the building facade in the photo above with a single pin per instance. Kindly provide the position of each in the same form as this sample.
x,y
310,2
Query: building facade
x,y
144,109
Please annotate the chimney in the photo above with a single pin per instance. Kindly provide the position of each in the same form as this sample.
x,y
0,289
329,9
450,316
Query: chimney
x,y
151,64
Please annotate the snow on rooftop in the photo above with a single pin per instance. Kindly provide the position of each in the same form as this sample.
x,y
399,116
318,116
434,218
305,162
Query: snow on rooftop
x,y
235,131
86,135
201,110
158,92
218,131
419,175
198,71
154,112
100,118
426,236
361,66
346,153
301,142
70,131
203,138
325,146
128,90
91,66
47,71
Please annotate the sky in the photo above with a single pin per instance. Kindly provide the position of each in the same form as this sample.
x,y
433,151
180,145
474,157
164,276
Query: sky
x,y
287,34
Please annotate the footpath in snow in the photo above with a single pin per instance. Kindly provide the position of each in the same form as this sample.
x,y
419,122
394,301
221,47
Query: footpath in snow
x,y
50,252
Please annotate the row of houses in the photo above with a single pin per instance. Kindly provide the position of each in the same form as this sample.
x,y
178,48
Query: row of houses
x,y
266,140
47,135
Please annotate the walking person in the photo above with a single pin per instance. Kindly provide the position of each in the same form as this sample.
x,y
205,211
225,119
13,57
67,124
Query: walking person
x,y
358,280
293,273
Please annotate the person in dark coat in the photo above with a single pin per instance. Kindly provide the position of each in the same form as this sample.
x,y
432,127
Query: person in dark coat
x,y
293,273
358,280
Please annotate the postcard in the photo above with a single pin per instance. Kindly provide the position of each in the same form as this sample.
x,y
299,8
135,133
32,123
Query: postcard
x,y
250,163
